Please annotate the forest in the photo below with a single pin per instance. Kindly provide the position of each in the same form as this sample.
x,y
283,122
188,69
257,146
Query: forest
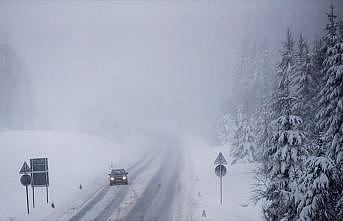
x,y
288,117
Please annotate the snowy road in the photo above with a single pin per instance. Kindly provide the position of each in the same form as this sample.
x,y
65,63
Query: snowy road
x,y
156,202
154,181
118,197
167,180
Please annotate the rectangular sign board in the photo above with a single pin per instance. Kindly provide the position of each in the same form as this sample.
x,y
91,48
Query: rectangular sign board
x,y
39,172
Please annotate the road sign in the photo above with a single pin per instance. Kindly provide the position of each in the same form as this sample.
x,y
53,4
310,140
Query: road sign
x,y
220,170
40,179
25,169
39,172
25,180
220,159
40,176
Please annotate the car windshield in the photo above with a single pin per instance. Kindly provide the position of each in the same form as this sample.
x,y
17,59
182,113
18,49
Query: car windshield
x,y
117,172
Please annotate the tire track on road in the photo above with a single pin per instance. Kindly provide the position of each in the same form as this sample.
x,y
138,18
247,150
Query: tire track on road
x,y
119,197
105,189
163,208
148,207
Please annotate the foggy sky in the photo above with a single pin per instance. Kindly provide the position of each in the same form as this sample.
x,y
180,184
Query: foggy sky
x,y
165,63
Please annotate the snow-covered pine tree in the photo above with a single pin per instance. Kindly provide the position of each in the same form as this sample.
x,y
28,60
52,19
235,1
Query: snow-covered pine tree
x,y
263,76
304,87
262,127
340,29
264,84
313,194
318,56
317,59
303,82
330,111
243,145
244,90
284,154
329,40
224,128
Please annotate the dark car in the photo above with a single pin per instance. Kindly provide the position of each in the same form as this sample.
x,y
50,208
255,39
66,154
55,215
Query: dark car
x,y
118,177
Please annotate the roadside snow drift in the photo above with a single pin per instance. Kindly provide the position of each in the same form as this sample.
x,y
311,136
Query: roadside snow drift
x,y
74,159
237,186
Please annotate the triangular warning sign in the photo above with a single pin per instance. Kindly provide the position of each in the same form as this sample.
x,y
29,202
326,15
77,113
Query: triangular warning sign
x,y
25,168
220,159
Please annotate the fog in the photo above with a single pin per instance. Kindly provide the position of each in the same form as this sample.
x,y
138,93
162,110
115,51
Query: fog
x,y
165,64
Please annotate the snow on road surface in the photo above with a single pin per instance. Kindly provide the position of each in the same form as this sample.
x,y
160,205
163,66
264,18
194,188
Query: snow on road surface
x,y
105,204
157,202
168,180
150,195
189,187
237,186
74,159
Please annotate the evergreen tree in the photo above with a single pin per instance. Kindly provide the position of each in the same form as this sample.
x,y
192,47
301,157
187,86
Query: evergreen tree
x,y
329,40
313,194
329,125
224,129
263,79
286,68
285,151
340,29
243,145
304,87
262,128
318,56
303,81
266,82
330,98
310,87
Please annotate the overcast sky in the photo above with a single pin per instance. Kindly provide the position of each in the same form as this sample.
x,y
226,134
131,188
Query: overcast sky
x,y
168,62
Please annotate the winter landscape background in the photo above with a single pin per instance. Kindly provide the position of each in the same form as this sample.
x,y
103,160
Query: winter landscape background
x,y
160,88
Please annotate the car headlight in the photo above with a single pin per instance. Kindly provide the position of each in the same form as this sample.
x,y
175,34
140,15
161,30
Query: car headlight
x,y
112,178
124,177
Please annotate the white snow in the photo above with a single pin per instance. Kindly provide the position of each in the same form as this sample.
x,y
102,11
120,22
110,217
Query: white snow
x,y
237,186
136,189
198,190
74,159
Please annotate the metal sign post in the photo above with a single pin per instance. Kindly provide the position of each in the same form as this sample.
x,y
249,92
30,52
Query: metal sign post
x,y
26,180
220,171
33,197
47,194
27,199
221,187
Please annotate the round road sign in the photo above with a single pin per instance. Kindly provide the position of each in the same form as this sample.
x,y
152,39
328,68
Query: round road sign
x,y
25,180
220,170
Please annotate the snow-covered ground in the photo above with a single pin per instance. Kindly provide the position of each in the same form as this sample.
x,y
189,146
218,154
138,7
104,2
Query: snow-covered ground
x,y
237,186
74,159
184,183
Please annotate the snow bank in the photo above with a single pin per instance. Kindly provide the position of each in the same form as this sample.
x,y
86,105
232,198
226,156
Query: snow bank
x,y
237,186
74,159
